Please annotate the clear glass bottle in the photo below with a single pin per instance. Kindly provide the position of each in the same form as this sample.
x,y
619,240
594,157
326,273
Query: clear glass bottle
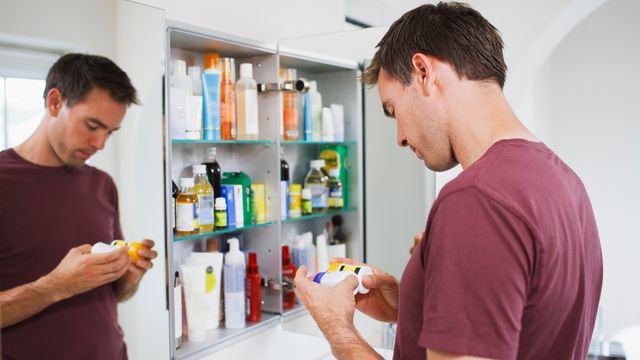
x,y
334,184
187,219
204,192
316,181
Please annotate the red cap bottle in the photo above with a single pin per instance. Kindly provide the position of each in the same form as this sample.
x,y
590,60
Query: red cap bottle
x,y
288,274
252,287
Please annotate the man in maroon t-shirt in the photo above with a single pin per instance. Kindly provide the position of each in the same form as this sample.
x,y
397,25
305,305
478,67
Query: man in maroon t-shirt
x,y
57,300
510,266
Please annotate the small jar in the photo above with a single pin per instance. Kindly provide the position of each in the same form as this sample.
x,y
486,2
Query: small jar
x,y
307,209
220,213
295,201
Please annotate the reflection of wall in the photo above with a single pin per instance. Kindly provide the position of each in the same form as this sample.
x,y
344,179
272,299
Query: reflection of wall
x,y
586,109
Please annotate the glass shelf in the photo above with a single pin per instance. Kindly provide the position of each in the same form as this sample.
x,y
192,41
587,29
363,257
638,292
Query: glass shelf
x,y
303,142
320,215
221,231
223,142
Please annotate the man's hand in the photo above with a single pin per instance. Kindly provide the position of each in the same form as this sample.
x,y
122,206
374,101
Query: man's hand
x,y
381,302
127,285
80,271
332,308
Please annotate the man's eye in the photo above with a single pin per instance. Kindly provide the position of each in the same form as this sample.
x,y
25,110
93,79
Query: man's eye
x,y
92,127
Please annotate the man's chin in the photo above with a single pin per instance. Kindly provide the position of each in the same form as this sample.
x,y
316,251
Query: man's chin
x,y
440,167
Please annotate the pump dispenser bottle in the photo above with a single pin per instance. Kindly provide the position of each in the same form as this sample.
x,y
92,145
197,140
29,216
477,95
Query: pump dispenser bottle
x,y
234,277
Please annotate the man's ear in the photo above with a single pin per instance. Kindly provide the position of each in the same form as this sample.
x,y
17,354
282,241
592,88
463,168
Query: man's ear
x,y
424,74
54,102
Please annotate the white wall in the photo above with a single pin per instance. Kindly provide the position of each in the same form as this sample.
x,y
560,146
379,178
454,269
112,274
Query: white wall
x,y
587,110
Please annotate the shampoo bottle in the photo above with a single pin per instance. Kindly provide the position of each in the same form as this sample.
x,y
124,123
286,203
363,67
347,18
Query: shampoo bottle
x,y
247,104
254,299
234,277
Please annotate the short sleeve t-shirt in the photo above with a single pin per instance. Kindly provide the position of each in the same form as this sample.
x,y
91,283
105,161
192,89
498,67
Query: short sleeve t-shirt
x,y
510,266
44,212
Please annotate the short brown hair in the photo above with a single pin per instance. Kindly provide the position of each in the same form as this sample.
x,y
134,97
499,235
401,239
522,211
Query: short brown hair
x,y
75,75
452,32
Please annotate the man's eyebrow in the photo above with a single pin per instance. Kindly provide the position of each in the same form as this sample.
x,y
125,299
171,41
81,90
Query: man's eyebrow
x,y
101,124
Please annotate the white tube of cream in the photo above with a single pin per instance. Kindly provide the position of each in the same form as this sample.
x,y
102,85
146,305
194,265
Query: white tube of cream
x,y
194,278
211,260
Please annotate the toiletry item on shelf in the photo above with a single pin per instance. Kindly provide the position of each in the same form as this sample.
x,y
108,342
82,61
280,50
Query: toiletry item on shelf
x,y
338,122
174,194
177,309
204,192
295,201
234,277
335,190
284,186
220,213
214,173
235,208
213,267
307,208
337,251
195,73
253,290
259,203
194,282
327,124
193,106
211,105
247,104
315,107
321,249
242,179
181,87
290,108
338,272
335,157
228,124
288,274
316,181
307,117
304,252
187,216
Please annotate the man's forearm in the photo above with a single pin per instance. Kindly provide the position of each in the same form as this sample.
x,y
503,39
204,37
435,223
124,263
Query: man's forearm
x,y
346,342
26,300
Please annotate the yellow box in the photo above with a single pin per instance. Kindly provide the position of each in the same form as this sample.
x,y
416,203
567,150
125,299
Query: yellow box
x,y
259,203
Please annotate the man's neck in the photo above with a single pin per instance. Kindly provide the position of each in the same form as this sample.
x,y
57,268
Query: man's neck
x,y
483,118
37,149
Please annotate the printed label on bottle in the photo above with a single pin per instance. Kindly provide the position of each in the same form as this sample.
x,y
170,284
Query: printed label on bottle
x,y
284,199
185,216
206,209
221,218
319,196
251,112
335,198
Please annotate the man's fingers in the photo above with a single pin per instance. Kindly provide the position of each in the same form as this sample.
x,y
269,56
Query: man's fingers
x,y
378,281
147,253
148,243
83,249
109,257
350,283
301,273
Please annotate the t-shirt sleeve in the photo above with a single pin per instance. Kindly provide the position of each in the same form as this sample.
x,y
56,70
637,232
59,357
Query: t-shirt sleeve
x,y
477,266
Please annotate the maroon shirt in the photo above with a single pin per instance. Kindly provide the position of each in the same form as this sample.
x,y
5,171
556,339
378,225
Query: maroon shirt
x,y
510,267
44,212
